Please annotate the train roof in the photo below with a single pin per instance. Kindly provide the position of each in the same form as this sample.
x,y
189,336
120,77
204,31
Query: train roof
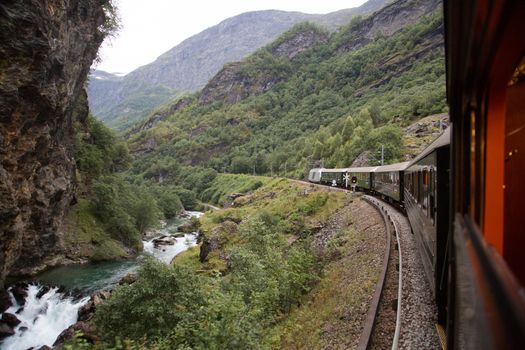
x,y
441,141
392,167
367,169
335,170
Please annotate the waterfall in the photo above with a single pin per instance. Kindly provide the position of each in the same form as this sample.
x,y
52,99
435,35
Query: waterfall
x,y
42,319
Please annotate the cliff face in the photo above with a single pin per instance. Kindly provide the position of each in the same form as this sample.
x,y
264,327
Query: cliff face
x,y
259,73
386,22
46,49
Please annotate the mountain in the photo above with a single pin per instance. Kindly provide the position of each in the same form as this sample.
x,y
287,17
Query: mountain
x,y
121,101
307,98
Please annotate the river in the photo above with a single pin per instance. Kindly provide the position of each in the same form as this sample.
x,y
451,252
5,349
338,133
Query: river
x,y
46,314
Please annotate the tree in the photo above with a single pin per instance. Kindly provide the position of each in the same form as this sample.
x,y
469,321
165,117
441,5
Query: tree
x,y
241,165
147,213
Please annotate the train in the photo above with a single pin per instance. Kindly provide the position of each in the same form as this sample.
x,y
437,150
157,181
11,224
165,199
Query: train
x,y
419,188
464,194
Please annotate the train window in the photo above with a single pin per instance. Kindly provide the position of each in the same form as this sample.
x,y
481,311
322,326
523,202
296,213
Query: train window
x,y
419,186
432,195
425,190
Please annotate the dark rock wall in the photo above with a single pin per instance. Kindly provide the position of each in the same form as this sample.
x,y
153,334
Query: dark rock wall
x,y
232,84
388,21
46,50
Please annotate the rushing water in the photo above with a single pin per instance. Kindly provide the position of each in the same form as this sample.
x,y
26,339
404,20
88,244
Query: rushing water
x,y
44,318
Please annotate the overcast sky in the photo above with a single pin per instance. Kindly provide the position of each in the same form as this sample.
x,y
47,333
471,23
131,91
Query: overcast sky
x,y
152,27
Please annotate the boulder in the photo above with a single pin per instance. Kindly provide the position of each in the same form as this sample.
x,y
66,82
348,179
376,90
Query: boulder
x,y
88,331
10,319
19,292
208,245
190,226
5,301
130,278
86,312
164,240
6,330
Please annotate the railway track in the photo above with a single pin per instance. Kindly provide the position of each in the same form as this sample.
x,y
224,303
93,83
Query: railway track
x,y
402,313
405,316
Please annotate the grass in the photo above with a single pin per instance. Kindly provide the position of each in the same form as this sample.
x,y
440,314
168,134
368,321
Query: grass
x,y
322,320
298,206
85,236
225,184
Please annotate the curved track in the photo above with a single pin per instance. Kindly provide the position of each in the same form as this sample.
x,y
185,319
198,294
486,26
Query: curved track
x,y
402,313
416,314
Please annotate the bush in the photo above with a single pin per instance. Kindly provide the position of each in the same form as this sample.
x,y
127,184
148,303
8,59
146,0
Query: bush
x,y
314,202
187,198
163,301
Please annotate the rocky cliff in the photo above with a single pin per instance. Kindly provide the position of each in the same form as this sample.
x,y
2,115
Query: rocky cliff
x,y
256,75
46,50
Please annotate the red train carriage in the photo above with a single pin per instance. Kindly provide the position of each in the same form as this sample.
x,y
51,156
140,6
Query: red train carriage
x,y
485,48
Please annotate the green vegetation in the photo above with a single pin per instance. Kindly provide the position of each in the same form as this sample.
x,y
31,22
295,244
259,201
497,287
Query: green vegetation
x,y
262,276
226,184
113,209
86,234
326,106
349,278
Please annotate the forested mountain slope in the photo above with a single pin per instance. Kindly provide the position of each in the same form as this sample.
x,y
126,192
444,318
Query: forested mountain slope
x,y
308,97
121,101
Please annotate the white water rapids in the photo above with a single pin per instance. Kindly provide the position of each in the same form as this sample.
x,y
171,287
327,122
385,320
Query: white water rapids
x,y
43,319
166,252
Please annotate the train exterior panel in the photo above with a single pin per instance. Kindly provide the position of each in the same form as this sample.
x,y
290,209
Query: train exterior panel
x,y
315,175
426,188
333,177
363,176
388,181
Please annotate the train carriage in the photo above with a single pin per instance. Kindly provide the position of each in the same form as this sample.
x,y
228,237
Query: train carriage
x,y
426,187
334,177
485,52
388,181
362,177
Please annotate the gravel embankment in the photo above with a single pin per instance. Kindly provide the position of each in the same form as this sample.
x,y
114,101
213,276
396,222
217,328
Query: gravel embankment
x,y
419,313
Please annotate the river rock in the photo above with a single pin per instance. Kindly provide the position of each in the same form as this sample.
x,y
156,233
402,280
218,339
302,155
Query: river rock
x,y
130,278
19,292
5,301
43,291
88,331
190,226
164,240
86,312
5,330
10,319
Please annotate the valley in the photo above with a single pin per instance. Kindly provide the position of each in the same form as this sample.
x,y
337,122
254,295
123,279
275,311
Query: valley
x,y
100,172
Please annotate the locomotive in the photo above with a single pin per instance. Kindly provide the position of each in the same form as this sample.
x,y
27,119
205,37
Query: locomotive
x,y
464,194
